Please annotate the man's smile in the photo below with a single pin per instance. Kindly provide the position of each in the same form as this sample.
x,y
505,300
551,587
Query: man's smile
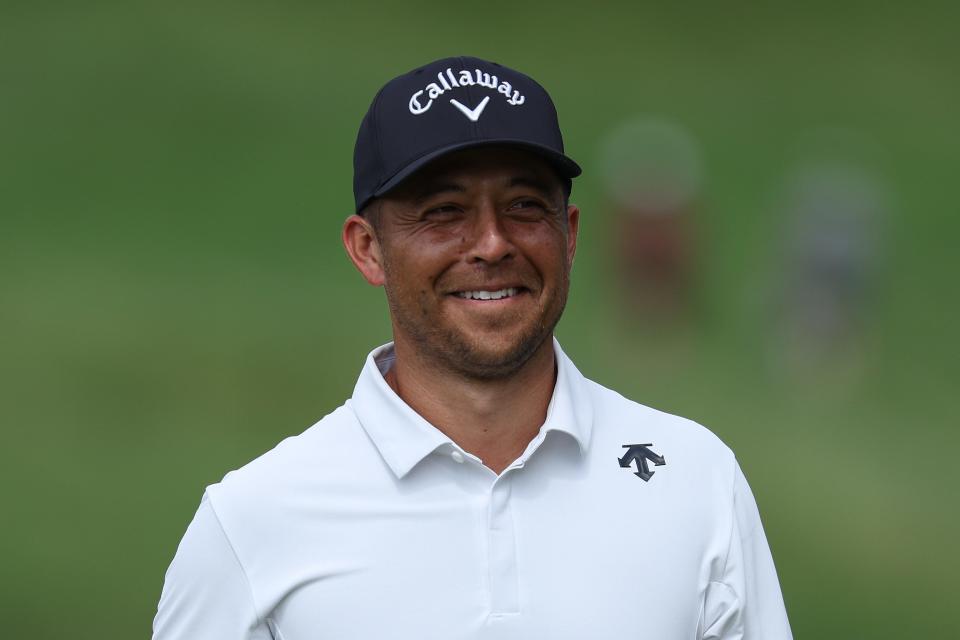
x,y
490,294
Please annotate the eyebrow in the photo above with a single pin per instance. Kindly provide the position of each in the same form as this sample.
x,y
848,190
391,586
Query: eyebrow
x,y
534,183
437,188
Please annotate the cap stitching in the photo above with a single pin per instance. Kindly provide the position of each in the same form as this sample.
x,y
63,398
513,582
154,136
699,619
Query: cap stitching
x,y
475,125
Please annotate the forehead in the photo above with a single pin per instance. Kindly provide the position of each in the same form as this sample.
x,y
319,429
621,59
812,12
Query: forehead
x,y
495,165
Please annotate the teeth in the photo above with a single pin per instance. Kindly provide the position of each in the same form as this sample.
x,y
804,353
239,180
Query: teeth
x,y
488,295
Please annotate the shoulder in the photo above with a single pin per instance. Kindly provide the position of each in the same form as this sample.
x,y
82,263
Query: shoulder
x,y
692,449
333,431
298,469
623,414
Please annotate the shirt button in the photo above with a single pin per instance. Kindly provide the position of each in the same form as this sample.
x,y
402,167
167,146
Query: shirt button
x,y
457,456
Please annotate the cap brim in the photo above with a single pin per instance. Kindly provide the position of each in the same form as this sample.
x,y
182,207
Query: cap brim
x,y
564,166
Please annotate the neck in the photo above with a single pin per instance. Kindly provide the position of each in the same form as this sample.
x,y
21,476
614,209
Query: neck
x,y
494,420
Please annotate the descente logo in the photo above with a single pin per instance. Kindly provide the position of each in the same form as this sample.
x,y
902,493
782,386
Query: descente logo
x,y
449,80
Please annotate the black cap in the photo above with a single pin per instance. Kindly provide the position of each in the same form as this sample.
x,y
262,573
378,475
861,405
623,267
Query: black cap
x,y
445,106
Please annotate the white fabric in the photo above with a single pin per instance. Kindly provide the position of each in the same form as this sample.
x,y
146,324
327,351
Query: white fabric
x,y
373,524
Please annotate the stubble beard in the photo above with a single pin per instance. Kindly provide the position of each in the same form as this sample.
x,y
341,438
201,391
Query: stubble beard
x,y
443,347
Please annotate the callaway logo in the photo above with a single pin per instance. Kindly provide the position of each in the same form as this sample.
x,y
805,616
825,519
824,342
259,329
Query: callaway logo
x,y
449,80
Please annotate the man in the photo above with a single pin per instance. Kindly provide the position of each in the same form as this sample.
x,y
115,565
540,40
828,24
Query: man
x,y
476,485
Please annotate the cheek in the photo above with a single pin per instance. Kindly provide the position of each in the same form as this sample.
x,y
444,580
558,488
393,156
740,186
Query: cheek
x,y
549,252
411,270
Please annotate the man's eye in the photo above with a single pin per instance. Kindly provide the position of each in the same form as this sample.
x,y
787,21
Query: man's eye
x,y
527,208
442,212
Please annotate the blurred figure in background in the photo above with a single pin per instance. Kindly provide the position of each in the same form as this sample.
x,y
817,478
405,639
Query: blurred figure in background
x,y
652,174
833,207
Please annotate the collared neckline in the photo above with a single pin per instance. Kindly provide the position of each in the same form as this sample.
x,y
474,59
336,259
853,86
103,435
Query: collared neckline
x,y
404,437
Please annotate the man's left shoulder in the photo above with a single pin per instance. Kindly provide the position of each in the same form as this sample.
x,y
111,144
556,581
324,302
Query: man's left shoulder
x,y
620,419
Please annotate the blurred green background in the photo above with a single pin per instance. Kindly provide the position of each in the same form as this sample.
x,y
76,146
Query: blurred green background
x,y
174,298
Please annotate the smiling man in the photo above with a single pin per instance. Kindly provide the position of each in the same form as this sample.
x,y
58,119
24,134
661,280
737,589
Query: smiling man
x,y
475,485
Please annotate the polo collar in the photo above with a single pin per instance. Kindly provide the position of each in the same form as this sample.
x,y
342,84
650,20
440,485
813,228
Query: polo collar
x,y
404,438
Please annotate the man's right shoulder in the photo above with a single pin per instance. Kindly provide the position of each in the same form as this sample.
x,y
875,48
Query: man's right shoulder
x,y
314,461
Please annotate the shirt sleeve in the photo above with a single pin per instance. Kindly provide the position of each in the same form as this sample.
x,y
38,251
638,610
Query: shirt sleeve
x,y
206,593
744,602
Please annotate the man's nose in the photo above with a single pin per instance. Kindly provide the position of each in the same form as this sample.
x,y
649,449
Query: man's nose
x,y
491,241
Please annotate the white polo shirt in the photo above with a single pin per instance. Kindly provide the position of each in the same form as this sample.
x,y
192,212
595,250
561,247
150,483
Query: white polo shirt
x,y
374,524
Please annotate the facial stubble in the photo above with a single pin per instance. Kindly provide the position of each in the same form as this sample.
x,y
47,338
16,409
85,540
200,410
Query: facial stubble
x,y
443,347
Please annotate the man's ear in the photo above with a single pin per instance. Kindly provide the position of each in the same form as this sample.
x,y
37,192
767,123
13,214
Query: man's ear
x,y
573,228
360,241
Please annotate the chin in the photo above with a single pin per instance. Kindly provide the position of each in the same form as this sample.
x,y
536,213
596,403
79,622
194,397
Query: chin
x,y
481,359
476,350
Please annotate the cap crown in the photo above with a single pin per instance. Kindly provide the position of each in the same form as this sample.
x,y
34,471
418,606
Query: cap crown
x,y
447,105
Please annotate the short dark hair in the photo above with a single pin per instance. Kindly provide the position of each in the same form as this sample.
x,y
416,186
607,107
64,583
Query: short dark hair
x,y
371,213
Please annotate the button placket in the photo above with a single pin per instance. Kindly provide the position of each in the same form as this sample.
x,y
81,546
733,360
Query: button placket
x,y
502,545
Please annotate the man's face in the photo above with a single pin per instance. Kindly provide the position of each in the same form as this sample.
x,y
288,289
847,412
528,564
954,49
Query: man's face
x,y
476,255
